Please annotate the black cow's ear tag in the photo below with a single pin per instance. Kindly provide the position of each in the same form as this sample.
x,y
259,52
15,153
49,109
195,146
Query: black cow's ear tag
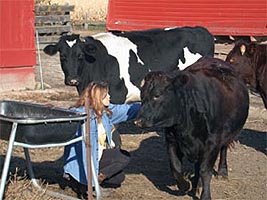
x,y
82,39
243,49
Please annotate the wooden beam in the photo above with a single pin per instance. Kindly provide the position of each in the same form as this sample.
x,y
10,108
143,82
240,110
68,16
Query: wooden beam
x,y
58,29
49,39
52,19
53,9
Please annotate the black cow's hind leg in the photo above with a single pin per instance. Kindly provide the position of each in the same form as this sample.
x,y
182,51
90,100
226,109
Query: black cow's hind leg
x,y
222,169
206,178
205,171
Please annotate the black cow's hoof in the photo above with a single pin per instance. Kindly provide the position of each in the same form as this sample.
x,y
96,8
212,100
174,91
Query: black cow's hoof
x,y
222,173
185,186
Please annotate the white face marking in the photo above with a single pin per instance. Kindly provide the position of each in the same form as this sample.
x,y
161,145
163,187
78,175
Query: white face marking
x,y
71,43
119,47
190,58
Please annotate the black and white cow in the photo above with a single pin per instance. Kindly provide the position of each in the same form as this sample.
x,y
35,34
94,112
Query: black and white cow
x,y
202,109
123,59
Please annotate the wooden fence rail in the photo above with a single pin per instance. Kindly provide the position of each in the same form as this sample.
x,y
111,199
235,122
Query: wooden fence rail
x,y
51,21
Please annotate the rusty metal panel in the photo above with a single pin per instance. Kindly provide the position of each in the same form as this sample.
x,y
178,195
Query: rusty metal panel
x,y
222,17
17,33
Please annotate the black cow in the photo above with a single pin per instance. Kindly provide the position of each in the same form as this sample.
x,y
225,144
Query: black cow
x,y
123,59
202,109
250,61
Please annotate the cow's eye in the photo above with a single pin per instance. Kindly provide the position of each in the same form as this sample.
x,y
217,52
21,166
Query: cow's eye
x,y
156,97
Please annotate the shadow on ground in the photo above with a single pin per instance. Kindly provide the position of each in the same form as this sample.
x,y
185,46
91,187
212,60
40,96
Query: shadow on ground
x,y
255,139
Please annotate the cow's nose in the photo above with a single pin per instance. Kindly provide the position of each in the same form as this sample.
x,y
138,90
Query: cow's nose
x,y
73,82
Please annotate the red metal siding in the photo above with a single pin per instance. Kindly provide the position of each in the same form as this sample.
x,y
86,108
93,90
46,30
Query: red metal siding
x,y
17,44
221,17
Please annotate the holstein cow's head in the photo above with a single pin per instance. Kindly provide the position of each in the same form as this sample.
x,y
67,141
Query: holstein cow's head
x,y
71,57
83,61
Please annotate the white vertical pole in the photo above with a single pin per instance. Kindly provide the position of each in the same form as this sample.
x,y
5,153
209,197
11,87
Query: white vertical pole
x,y
39,59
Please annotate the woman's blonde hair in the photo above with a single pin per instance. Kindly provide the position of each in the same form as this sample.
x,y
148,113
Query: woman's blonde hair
x,y
95,92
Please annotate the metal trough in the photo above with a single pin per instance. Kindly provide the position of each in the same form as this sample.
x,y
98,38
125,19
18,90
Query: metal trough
x,y
32,125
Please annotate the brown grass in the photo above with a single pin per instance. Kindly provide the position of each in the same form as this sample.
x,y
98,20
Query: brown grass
x,y
22,185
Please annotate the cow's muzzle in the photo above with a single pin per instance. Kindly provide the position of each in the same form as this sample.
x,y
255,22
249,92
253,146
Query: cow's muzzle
x,y
72,81
141,123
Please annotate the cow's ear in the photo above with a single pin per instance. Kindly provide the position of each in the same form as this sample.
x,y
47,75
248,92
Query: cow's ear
x,y
89,39
180,80
51,49
89,58
89,51
89,46
252,48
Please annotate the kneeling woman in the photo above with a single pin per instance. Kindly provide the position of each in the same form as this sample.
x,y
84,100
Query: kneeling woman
x,y
109,161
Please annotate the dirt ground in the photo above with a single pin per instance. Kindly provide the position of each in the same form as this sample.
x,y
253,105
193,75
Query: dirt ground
x,y
148,175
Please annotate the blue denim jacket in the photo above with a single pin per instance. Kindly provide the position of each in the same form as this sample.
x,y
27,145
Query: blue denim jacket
x,y
75,162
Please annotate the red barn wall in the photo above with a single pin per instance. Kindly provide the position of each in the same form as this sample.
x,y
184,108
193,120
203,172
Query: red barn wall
x,y
221,17
17,44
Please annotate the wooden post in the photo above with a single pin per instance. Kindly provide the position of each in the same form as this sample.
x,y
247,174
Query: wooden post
x,y
88,151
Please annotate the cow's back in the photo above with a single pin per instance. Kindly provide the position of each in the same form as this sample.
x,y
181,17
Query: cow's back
x,y
223,95
204,39
161,49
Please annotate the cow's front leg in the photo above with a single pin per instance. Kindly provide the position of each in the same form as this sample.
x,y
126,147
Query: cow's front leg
x,y
176,169
196,181
176,164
